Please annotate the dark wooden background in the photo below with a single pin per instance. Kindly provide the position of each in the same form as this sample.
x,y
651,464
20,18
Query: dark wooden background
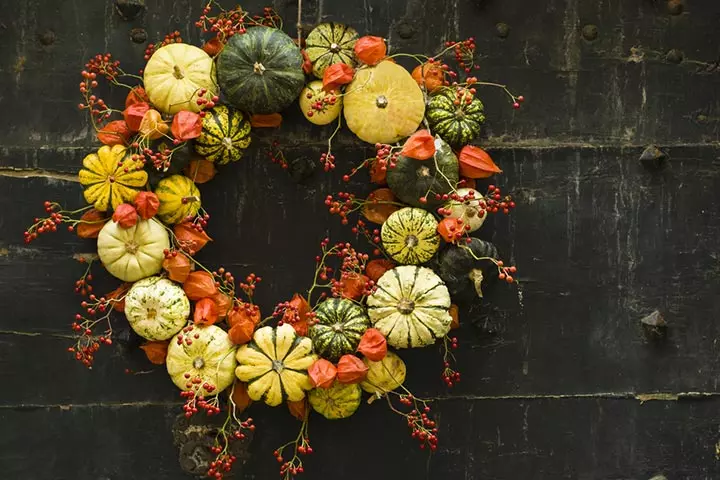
x,y
560,380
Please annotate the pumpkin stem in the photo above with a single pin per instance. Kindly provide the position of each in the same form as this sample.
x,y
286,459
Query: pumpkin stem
x,y
258,68
406,307
198,363
423,172
177,73
381,101
476,277
131,247
194,198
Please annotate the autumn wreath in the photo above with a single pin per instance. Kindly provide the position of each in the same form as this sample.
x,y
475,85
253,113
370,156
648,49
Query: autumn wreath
x,y
192,110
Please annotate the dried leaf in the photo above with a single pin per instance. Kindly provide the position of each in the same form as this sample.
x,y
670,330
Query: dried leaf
x,y
177,266
376,268
298,409
297,315
370,50
420,146
152,125
336,75
199,284
350,369
91,223
240,397
190,239
136,95
377,207
429,75
119,295
186,125
476,163
200,170
134,114
373,345
206,312
455,314
125,215
147,204
270,120
322,373
307,65
115,133
156,352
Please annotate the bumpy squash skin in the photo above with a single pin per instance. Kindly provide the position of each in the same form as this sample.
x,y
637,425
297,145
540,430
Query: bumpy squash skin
x,y
225,135
410,236
175,74
384,376
339,328
210,356
261,70
466,278
274,364
330,43
133,253
456,124
412,179
383,104
410,307
105,180
156,308
337,402
179,198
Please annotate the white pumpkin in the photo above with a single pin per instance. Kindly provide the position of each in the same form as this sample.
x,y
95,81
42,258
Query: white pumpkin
x,y
199,355
411,307
469,210
133,253
156,308
175,74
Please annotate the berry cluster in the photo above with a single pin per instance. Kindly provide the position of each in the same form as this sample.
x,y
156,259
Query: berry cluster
x,y
248,286
101,64
194,402
464,53
422,428
225,24
205,103
450,376
97,309
276,155
44,225
300,446
172,37
495,201
321,102
328,161
505,273
344,205
385,157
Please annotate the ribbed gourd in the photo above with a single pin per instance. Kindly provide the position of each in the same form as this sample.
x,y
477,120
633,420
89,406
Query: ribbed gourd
x,y
330,43
337,402
274,364
412,180
385,375
156,308
179,199
110,177
339,328
225,135
410,307
133,253
261,70
457,124
410,236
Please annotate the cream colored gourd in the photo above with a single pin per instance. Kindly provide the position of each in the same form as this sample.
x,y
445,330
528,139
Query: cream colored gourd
x,y
274,364
201,353
133,253
410,307
175,74
384,376
156,308
313,93
468,211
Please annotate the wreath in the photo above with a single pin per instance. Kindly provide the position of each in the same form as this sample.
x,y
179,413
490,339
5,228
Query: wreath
x,y
191,111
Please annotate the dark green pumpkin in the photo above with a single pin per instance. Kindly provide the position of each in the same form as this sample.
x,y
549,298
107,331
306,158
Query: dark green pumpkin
x,y
260,71
330,43
339,328
464,275
225,135
456,124
411,179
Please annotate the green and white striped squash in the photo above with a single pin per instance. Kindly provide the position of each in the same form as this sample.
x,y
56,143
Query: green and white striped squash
x,y
456,124
210,357
179,198
225,135
410,307
156,308
261,71
410,236
339,328
339,401
274,364
330,43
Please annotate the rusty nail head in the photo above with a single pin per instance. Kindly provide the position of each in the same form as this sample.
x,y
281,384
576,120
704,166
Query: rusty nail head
x,y
502,30
590,32
675,7
138,35
47,37
405,30
674,56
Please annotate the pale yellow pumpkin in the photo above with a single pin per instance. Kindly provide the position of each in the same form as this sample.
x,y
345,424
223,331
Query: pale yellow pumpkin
x,y
313,93
204,353
174,76
468,211
133,253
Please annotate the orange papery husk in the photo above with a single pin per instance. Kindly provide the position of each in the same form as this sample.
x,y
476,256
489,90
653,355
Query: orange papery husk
x,y
378,206
429,75
152,125
420,146
177,266
191,240
298,409
350,369
95,222
200,170
336,75
115,133
322,373
373,345
240,397
376,268
134,115
269,120
455,315
370,50
206,312
450,229
147,204
297,316
125,215
242,329
186,125
244,312
199,284
119,293
353,285
213,47
136,95
476,163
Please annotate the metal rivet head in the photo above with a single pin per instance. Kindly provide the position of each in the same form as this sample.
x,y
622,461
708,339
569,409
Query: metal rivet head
x,y
47,37
674,56
405,30
502,30
138,35
129,9
590,32
675,7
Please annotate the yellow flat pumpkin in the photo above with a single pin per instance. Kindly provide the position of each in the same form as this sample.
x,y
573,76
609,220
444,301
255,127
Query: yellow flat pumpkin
x,y
111,177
